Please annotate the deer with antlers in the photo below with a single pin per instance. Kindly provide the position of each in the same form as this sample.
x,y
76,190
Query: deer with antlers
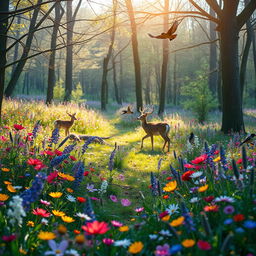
x,y
66,125
152,129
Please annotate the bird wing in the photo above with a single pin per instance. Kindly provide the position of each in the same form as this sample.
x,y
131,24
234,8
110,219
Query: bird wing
x,y
172,37
129,109
151,35
162,36
173,28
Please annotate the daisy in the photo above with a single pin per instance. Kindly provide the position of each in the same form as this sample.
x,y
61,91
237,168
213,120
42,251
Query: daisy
x,y
196,174
83,216
124,242
44,221
45,202
172,208
194,200
70,198
226,199
72,252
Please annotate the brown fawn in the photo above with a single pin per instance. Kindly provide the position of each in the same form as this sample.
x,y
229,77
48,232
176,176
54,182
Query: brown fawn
x,y
152,129
66,125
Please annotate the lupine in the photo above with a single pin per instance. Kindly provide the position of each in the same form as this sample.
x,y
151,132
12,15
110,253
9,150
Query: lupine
x,y
16,211
210,155
88,210
188,219
176,175
223,159
78,171
36,129
154,187
31,195
88,142
58,159
55,137
68,149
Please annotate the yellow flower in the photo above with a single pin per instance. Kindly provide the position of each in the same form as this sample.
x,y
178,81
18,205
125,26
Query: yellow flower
x,y
5,169
177,222
136,247
203,188
66,176
80,239
6,182
55,194
11,188
123,228
166,218
62,229
188,243
3,197
67,219
70,190
132,219
217,159
30,223
171,186
44,235
58,213
22,251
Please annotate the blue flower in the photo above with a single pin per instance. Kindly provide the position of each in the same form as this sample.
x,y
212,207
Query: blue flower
x,y
239,230
223,159
249,224
78,170
175,248
58,159
68,149
36,129
55,137
228,221
154,184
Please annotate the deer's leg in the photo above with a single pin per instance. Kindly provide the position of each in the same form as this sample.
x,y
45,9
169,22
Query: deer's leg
x,y
152,142
165,140
169,142
146,136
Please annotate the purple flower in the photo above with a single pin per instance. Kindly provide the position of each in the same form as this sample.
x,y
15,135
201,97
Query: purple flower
x,y
229,209
113,198
162,250
121,177
125,202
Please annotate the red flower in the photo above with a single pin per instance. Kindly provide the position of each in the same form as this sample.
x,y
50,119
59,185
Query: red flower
x,y
57,152
65,161
39,167
41,212
96,227
169,178
92,169
216,152
189,166
34,162
211,208
238,217
165,196
208,199
199,159
163,214
81,199
18,127
186,176
9,238
86,173
52,176
203,245
2,138
239,161
72,158
77,231
49,153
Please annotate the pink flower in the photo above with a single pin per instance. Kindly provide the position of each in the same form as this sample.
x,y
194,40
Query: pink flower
x,y
125,202
162,250
96,227
9,238
139,209
189,166
45,202
95,198
18,127
2,138
108,241
116,223
41,212
52,176
199,159
113,198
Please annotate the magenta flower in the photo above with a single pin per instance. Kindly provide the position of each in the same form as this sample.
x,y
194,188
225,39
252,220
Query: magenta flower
x,y
113,198
229,209
162,250
116,223
45,202
125,202
139,209
108,241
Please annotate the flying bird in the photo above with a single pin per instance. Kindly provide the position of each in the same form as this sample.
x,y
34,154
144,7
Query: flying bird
x,y
128,111
191,138
170,33
248,140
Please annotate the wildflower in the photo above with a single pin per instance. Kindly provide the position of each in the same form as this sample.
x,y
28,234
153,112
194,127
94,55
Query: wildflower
x,y
196,174
186,176
66,176
90,188
30,223
194,200
71,157
57,249
56,194
203,188
86,173
80,239
229,209
41,212
44,235
136,247
239,230
211,208
67,219
203,245
208,199
62,229
58,213
44,221
177,222
226,199
125,243
78,170
116,223
223,159
70,190
113,198
123,228
172,208
188,221
16,211
103,188
125,202
52,176
166,196
175,248
3,197
81,199
76,231
55,137
71,198
228,221
139,209
108,241
36,129
68,149
11,189
88,210
58,159
18,127
83,216
162,250
188,243
165,232
217,159
250,224
31,195
2,138
238,217
154,184
72,252
153,237
44,202
5,169
170,186
9,238
95,228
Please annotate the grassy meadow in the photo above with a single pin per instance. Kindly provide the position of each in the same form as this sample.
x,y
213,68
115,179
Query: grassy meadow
x,y
203,204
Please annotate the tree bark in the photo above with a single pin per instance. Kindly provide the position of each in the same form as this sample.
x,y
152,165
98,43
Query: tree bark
x,y
175,86
51,67
136,58
4,7
117,96
165,62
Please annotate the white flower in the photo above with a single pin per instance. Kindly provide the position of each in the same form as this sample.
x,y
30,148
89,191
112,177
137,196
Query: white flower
x,y
103,188
196,174
124,243
197,142
172,208
57,249
83,216
71,198
72,252
160,238
194,200
153,237
165,233
17,187
16,211
226,199
44,221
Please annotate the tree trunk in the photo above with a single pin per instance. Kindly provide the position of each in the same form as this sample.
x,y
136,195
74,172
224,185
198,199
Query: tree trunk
x,y
51,67
121,78
117,97
136,58
4,7
165,62
232,118
213,76
175,86
69,52
14,79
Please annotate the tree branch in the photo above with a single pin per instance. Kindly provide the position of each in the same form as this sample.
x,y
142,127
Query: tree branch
x,y
214,5
246,14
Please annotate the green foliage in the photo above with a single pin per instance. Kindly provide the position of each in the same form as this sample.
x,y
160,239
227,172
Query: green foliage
x,y
199,98
77,93
59,91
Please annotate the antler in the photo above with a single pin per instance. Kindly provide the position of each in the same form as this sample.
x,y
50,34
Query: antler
x,y
141,110
149,113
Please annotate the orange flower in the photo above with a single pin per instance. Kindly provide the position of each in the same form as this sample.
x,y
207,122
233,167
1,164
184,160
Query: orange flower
x,y
70,190
11,188
171,186
203,188
123,228
66,176
177,222
77,231
188,243
5,169
3,197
